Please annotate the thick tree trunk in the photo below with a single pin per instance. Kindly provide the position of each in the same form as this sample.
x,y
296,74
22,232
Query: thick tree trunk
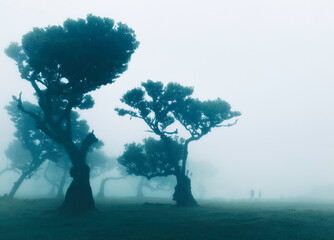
x,y
183,195
79,196
18,183
60,192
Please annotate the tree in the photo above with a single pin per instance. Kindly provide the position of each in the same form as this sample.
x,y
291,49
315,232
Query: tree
x,y
56,173
151,161
155,184
160,107
31,146
64,64
112,165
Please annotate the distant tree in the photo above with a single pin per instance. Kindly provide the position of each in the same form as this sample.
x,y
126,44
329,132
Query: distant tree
x,y
31,146
155,184
252,192
56,173
113,166
160,106
64,64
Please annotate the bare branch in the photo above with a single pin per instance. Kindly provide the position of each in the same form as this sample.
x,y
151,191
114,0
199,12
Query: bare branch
x,y
20,106
228,125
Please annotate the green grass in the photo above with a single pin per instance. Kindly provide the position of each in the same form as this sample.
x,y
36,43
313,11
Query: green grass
x,y
132,219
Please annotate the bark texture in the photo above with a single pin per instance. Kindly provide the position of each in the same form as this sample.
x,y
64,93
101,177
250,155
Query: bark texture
x,y
79,196
183,195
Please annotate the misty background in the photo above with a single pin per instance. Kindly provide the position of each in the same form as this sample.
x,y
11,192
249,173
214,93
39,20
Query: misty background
x,y
271,60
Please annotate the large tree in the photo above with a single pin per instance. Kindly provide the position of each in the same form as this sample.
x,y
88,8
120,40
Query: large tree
x,y
160,107
64,64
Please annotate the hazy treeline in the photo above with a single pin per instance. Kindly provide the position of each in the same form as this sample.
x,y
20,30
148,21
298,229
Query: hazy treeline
x,y
63,65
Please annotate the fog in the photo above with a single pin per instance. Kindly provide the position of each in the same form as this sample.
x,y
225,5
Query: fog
x,y
271,60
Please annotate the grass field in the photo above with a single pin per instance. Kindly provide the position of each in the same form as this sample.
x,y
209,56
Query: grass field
x,y
160,219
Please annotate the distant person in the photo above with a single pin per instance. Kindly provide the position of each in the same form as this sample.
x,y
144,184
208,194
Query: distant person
x,y
260,194
252,193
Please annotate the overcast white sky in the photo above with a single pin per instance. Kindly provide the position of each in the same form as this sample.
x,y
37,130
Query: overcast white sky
x,y
273,60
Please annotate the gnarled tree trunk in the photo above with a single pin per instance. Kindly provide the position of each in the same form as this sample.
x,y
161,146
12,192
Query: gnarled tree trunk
x,y
18,183
183,195
32,168
79,195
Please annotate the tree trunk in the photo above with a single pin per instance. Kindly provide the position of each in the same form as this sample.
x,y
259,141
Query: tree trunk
x,y
140,193
18,183
79,196
183,195
101,190
103,184
60,192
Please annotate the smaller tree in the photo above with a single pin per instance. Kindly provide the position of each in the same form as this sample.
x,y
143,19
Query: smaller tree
x,y
155,184
56,173
31,146
160,107
151,161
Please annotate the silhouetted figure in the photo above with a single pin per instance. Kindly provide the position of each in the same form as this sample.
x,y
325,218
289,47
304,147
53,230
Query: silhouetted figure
x,y
252,193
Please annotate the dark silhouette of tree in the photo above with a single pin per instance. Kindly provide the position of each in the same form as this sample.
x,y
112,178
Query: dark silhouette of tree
x,y
64,64
160,106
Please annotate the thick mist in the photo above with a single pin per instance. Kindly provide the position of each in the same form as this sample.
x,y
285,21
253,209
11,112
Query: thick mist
x,y
271,60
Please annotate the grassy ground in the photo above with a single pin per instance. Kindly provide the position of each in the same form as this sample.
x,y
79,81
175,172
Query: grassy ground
x,y
131,219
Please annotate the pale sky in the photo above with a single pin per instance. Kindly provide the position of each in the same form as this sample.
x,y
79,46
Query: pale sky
x,y
272,60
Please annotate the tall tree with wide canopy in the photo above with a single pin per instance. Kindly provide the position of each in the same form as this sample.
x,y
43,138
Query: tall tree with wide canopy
x,y
64,64
160,107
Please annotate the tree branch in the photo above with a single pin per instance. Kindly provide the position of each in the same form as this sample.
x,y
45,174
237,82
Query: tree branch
x,y
228,125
